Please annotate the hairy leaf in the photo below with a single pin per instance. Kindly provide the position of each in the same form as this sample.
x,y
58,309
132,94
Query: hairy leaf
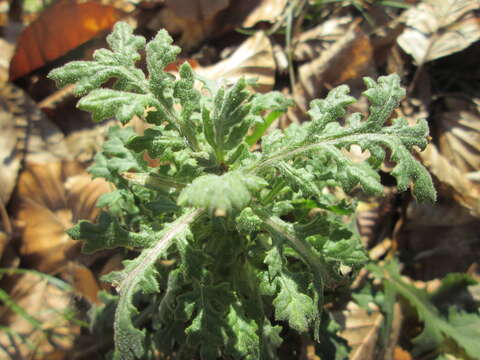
x,y
107,234
140,273
221,194
118,64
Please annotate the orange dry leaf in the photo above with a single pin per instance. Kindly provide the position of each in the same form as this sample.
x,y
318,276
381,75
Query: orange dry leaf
x,y
50,199
59,29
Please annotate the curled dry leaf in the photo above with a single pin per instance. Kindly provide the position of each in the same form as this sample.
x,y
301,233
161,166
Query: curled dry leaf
x,y
52,335
38,139
59,29
25,135
360,329
346,61
50,198
438,28
453,181
253,59
459,137
310,44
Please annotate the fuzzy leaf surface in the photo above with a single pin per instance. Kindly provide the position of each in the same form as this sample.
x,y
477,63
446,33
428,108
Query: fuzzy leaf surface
x,y
140,273
221,194
107,64
107,234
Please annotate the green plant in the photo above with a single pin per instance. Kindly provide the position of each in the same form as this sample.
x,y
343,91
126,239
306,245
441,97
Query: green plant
x,y
230,244
450,314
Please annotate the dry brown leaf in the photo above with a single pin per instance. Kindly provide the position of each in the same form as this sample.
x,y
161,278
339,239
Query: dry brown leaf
x,y
438,28
439,250
84,282
401,354
459,133
265,10
38,139
253,59
58,29
4,8
443,213
194,20
9,157
6,53
346,61
452,180
50,198
360,329
197,10
374,218
310,44
46,303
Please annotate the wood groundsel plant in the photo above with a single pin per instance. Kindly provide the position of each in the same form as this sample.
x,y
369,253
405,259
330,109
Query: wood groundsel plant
x,y
232,245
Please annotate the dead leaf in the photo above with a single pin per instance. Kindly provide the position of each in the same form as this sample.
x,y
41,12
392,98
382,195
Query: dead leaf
x,y
439,250
438,28
374,218
438,243
459,133
265,10
310,44
346,61
5,229
38,139
6,53
253,59
194,20
453,182
9,157
84,282
197,10
59,29
4,8
401,354
360,329
51,198
55,333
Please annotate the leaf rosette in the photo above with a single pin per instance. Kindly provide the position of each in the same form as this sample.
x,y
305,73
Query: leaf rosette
x,y
246,256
